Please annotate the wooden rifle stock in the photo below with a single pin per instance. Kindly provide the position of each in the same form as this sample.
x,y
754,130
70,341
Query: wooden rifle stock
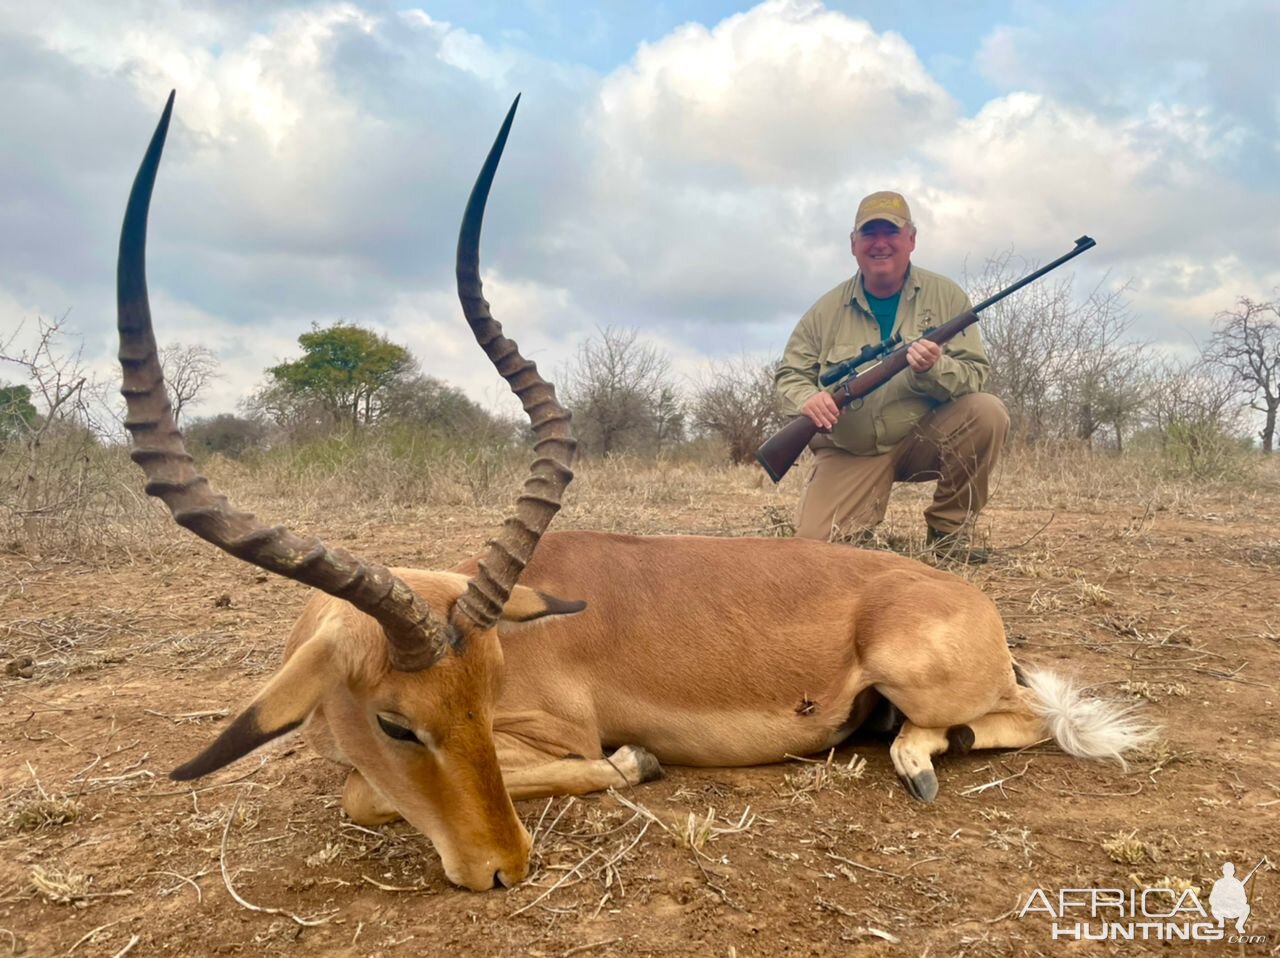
x,y
779,452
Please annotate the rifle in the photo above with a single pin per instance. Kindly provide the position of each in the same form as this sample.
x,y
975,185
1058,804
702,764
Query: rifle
x,y
779,452
1254,869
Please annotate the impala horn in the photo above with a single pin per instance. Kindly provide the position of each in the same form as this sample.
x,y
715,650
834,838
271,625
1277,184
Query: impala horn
x,y
509,552
417,637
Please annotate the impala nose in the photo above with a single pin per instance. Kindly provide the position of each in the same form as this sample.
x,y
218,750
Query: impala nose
x,y
512,876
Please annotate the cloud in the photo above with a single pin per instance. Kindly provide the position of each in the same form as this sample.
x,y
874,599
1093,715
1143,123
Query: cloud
x,y
701,190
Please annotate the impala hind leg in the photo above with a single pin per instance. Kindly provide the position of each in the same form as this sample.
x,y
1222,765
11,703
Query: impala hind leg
x,y
629,765
915,747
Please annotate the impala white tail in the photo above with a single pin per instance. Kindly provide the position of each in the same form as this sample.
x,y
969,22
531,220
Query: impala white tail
x,y
1086,727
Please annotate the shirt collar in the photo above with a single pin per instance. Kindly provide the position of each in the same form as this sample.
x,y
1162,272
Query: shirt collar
x,y
910,286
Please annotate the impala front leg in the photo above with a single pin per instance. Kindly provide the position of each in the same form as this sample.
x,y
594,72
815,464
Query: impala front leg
x,y
629,765
364,804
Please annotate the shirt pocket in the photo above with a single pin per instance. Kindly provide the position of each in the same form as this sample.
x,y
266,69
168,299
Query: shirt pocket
x,y
840,352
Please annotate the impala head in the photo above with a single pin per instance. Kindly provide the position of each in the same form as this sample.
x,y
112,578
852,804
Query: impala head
x,y
407,666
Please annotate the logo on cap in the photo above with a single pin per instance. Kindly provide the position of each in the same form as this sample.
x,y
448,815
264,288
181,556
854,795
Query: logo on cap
x,y
885,205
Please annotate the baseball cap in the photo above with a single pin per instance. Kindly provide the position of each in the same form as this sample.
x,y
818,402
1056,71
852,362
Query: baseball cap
x,y
885,205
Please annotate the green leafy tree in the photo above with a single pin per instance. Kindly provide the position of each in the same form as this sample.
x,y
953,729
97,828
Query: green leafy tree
x,y
346,370
17,414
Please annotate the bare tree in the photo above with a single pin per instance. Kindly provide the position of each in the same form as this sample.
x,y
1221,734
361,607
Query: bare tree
x,y
1194,408
1065,369
50,476
187,371
1028,340
1192,394
1102,380
621,394
1247,343
739,404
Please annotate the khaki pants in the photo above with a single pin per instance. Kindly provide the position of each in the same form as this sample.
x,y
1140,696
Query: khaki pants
x,y
957,443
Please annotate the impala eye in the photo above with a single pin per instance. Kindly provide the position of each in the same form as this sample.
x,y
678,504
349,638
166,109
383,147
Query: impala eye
x,y
398,732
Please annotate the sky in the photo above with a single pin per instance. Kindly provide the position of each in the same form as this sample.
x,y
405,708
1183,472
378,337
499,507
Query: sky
x,y
687,170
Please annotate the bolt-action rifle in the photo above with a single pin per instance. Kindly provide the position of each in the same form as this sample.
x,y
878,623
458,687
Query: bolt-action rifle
x,y
780,451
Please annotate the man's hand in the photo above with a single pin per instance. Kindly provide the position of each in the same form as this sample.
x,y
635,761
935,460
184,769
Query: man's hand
x,y
821,410
921,355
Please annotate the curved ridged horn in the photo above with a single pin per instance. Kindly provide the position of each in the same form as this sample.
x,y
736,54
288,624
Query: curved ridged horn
x,y
511,550
417,636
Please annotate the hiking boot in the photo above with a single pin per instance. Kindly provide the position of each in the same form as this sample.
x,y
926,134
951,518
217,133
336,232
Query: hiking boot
x,y
860,539
955,547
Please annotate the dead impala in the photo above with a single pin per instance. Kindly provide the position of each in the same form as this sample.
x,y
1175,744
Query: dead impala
x,y
451,693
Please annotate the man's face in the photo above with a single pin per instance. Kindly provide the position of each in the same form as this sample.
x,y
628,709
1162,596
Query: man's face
x,y
883,252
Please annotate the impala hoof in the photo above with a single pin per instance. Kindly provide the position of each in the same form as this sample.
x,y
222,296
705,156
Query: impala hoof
x,y
637,764
922,786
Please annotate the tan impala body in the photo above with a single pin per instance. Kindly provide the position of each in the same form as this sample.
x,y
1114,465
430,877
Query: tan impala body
x,y
451,693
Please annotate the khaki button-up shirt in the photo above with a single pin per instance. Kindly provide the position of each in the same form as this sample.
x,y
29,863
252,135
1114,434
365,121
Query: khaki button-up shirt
x,y
839,324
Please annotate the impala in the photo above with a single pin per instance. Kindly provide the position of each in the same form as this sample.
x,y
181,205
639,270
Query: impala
x,y
449,694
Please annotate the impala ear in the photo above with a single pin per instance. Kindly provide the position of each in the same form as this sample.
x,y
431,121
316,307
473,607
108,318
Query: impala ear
x,y
525,605
290,696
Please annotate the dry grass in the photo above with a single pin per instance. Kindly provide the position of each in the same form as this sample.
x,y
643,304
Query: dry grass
x,y
824,849
1129,849
813,777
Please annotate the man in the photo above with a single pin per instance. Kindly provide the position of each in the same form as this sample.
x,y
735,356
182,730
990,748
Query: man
x,y
931,422
1228,898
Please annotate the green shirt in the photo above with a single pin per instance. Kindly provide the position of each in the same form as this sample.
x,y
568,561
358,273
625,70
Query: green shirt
x,y
885,311
839,324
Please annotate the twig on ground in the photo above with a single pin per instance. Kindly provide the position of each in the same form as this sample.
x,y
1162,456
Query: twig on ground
x,y
226,879
208,788
579,949
87,935
867,868
563,878
183,717
378,884
998,783
189,881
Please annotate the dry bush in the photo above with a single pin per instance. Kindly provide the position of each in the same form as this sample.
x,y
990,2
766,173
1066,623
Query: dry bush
x,y
78,498
386,469
1070,477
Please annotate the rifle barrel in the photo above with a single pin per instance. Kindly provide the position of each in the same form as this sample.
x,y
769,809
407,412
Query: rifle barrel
x,y
1082,244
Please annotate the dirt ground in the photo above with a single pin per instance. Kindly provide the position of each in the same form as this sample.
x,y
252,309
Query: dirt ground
x,y
1145,591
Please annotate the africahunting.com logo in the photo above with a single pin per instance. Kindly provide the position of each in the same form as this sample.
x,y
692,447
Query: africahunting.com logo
x,y
1149,914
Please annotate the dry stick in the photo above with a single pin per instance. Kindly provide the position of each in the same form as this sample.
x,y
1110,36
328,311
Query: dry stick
x,y
626,850
697,853
127,948
378,884
189,881
998,783
877,871
226,878
533,838
189,716
1035,535
562,880
47,707
208,788
579,949
88,935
